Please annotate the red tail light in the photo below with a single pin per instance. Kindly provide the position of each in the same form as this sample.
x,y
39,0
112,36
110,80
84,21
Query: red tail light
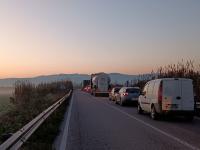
x,y
160,92
125,94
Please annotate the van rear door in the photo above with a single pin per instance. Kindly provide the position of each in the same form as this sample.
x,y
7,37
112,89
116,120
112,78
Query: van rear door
x,y
171,95
187,97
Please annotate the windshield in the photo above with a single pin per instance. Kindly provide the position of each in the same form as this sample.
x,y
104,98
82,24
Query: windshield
x,y
132,90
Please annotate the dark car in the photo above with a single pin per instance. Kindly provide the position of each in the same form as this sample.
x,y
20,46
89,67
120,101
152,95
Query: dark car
x,y
128,95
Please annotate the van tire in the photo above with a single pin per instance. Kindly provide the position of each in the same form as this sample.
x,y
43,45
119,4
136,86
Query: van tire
x,y
154,114
139,110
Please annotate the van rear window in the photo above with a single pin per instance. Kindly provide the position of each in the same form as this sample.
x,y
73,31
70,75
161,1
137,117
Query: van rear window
x,y
133,91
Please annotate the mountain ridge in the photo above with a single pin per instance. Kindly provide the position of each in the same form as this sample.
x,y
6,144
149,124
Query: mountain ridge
x,y
76,78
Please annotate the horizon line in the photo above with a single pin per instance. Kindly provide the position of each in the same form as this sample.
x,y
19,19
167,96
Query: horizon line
x,y
68,74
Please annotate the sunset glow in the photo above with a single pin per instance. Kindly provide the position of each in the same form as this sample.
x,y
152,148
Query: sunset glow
x,y
51,37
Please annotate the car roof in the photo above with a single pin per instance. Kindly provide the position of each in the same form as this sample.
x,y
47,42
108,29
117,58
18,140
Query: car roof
x,y
170,79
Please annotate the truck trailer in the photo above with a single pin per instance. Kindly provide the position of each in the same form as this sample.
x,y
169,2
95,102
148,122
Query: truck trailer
x,y
100,84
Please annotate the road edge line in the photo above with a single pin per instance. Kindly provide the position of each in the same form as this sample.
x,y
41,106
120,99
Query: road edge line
x,y
63,143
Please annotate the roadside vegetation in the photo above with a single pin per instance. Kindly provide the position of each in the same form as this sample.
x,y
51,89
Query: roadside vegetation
x,y
45,135
5,105
183,69
28,101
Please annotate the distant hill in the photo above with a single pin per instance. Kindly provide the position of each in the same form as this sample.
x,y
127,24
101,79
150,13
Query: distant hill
x,y
75,78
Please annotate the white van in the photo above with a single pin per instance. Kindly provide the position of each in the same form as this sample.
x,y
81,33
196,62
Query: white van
x,y
168,96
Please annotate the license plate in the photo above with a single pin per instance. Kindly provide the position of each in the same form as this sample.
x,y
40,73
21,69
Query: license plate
x,y
134,99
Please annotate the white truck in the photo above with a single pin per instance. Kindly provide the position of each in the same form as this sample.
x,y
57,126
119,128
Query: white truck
x,y
100,84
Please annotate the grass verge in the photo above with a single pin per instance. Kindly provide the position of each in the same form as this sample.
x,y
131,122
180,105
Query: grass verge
x,y
30,100
5,104
45,135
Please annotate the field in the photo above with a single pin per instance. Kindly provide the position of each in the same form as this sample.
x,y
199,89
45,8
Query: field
x,y
5,94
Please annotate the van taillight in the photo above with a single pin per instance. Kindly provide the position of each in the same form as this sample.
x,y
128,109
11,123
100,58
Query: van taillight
x,y
160,92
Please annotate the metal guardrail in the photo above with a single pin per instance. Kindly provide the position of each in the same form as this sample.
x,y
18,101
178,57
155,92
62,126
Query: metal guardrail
x,y
21,136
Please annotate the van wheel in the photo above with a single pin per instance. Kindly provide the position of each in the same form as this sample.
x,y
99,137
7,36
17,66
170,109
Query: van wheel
x,y
139,110
154,114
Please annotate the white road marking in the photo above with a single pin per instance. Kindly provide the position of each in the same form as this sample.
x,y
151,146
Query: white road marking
x,y
63,143
156,129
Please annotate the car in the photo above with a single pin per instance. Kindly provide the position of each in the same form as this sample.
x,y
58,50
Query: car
x,y
87,89
128,95
113,93
167,96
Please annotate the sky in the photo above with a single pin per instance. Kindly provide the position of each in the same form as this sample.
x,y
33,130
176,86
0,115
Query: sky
x,y
41,37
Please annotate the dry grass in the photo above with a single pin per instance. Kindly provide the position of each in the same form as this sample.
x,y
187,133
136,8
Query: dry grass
x,y
183,69
29,100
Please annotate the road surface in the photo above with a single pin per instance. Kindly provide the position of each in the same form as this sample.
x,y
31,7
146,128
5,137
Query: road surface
x,y
100,124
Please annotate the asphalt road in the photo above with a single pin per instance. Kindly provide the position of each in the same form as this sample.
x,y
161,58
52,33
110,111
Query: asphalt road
x,y
100,124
